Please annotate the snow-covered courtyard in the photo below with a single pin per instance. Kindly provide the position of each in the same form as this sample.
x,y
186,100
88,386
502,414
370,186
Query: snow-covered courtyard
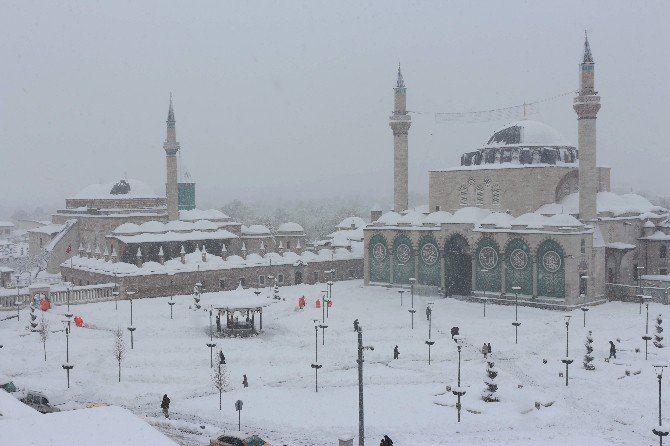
x,y
404,398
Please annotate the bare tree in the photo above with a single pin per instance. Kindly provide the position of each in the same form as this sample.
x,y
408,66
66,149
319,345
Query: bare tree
x,y
119,348
220,380
44,334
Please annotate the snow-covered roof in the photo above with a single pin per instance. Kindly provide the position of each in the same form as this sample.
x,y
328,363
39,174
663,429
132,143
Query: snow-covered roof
x,y
157,227
195,235
255,230
11,408
6,224
649,224
389,218
658,235
199,214
101,426
607,202
290,227
138,189
527,133
238,299
357,222
531,221
424,209
6,269
497,219
48,229
437,217
413,218
469,215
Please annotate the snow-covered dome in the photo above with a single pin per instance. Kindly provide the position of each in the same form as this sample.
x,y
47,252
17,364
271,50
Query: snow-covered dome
x,y
469,215
523,142
411,218
497,219
347,223
531,221
290,227
199,214
178,226
527,133
152,226
390,218
205,225
255,230
127,228
563,220
116,190
437,217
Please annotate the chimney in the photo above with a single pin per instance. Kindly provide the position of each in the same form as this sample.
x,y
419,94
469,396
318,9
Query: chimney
x,y
139,258
224,251
203,253
182,254
161,256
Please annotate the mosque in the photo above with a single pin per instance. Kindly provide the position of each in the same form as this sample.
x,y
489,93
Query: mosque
x,y
527,214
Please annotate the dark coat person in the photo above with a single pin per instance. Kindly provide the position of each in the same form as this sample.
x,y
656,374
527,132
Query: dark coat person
x,y
612,350
454,332
245,383
396,352
165,405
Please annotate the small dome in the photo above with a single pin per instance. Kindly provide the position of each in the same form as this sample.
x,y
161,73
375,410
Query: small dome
x,y
178,226
390,218
437,217
127,228
152,226
527,133
469,215
255,230
347,223
115,190
531,221
205,225
290,227
564,220
412,218
497,219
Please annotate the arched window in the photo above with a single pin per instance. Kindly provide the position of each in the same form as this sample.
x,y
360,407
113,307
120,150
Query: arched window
x,y
280,278
495,195
583,247
463,195
480,195
662,251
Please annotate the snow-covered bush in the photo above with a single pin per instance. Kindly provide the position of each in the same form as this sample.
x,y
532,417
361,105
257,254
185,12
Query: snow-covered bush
x,y
490,394
658,336
588,357
119,348
220,379
196,296
44,334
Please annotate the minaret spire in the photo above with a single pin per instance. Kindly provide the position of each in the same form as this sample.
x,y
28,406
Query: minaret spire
x,y
400,122
171,147
588,57
400,82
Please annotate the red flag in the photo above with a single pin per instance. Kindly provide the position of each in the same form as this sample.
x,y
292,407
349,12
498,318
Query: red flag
x,y
69,248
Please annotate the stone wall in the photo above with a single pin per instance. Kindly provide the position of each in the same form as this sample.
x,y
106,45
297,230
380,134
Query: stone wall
x,y
119,203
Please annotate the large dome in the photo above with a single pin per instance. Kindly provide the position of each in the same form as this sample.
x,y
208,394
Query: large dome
x,y
523,142
117,189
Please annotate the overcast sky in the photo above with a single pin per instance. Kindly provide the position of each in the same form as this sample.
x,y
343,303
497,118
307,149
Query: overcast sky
x,y
291,99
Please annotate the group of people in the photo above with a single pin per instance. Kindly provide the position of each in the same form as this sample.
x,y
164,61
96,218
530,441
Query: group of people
x,y
486,349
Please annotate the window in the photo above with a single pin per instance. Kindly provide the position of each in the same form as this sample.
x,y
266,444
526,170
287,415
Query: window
x,y
495,195
463,195
261,280
437,208
288,244
582,284
351,272
243,282
583,246
222,284
280,278
480,195
634,271
316,276
662,251
664,271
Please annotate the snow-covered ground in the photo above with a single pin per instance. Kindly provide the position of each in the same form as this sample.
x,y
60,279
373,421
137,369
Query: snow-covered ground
x,y
404,398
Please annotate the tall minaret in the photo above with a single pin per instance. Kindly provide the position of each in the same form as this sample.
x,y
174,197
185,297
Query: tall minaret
x,y
587,104
171,147
400,122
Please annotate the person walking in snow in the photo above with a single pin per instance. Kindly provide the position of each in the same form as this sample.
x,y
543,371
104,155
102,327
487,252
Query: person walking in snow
x,y
218,323
386,441
485,349
612,350
454,332
222,358
488,347
428,311
165,405
245,383
356,325
396,352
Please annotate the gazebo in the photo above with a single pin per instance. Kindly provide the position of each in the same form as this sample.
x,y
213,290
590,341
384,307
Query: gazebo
x,y
238,311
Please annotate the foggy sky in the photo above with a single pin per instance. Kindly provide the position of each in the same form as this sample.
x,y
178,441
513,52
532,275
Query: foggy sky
x,y
287,99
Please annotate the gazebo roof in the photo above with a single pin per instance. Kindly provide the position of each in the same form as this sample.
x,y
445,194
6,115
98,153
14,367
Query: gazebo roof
x,y
240,299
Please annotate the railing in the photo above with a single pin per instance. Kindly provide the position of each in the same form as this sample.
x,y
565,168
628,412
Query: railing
x,y
629,293
59,295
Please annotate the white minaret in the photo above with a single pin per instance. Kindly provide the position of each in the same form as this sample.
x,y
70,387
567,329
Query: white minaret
x,y
400,122
587,104
171,147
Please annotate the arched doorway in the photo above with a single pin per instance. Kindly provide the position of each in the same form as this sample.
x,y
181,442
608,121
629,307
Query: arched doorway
x,y
458,266
298,278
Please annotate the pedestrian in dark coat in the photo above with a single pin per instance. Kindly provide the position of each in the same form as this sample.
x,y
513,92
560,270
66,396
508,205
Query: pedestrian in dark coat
x,y
356,325
488,347
218,323
245,383
454,332
386,441
396,352
485,349
222,357
612,350
428,311
165,405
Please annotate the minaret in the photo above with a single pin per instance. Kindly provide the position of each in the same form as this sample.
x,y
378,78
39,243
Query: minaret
x,y
400,122
587,104
171,147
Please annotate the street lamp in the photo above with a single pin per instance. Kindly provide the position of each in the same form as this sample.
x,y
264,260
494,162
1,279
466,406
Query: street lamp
x,y
584,310
458,391
67,366
646,336
484,271
18,299
115,293
360,360
567,361
67,294
401,293
330,291
211,344
131,328
323,325
412,280
659,429
639,284
316,366
270,282
429,341
516,322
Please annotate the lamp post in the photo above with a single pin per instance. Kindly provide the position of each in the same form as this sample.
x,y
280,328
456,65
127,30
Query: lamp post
x,y
516,322
115,292
316,366
67,366
458,391
567,361
270,282
659,429
584,311
429,341
412,280
484,271
131,328
238,408
639,284
646,336
211,344
360,360
323,325
401,293
67,296
18,300
330,292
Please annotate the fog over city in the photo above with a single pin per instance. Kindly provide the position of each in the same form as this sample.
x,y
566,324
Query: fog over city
x,y
290,100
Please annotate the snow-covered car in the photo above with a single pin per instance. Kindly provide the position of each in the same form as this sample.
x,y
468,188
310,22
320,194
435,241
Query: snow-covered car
x,y
39,402
237,440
